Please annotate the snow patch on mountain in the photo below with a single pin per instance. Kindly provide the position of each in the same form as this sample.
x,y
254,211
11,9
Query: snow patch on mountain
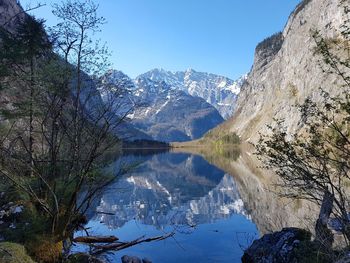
x,y
166,112
219,91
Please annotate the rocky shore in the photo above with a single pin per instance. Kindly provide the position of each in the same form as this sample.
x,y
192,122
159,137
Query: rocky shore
x,y
292,245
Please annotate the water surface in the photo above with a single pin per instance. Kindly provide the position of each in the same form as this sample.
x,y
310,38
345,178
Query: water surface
x,y
174,192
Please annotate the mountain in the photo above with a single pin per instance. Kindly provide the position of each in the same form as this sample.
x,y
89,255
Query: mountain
x,y
219,91
162,111
286,71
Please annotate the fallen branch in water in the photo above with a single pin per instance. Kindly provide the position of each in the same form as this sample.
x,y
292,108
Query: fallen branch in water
x,y
98,249
105,213
95,239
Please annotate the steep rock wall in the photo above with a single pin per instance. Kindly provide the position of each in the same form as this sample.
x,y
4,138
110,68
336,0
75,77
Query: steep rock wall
x,y
286,71
11,13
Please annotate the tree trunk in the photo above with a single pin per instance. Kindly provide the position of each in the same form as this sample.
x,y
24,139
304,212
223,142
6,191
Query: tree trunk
x,y
31,118
323,234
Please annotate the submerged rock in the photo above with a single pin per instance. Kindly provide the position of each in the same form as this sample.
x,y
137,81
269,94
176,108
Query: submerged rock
x,y
133,259
276,247
83,258
130,259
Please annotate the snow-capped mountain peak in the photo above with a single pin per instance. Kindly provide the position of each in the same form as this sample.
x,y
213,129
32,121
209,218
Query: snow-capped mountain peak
x,y
175,106
219,91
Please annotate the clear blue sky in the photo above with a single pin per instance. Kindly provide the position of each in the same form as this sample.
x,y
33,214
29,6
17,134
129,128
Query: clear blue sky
x,y
217,36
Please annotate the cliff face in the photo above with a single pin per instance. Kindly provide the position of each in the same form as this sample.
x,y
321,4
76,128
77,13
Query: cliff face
x,y
286,71
10,14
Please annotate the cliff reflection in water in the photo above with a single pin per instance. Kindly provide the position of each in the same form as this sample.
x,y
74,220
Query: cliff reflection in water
x,y
170,189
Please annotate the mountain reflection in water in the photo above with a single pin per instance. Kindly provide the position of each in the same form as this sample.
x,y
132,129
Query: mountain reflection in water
x,y
168,192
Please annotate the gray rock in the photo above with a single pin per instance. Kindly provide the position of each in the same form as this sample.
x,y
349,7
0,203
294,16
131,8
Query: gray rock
x,y
276,247
17,209
344,259
83,258
130,259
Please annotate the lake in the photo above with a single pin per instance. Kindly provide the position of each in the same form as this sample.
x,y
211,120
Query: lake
x,y
173,192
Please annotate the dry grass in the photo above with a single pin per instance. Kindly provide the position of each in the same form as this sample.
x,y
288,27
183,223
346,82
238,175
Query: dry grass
x,y
47,251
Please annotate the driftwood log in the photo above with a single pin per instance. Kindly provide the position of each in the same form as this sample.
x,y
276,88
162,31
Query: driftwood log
x,y
115,246
111,242
95,239
105,213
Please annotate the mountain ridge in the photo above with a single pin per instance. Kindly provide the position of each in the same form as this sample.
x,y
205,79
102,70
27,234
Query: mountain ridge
x,y
162,111
218,90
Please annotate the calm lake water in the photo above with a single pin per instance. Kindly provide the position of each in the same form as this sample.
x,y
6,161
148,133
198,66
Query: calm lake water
x,y
174,192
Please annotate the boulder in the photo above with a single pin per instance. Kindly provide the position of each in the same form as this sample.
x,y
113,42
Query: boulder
x,y
276,247
83,258
133,259
344,259
130,259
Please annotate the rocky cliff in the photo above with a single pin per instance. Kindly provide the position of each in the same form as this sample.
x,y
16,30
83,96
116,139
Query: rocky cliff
x,y
286,71
10,14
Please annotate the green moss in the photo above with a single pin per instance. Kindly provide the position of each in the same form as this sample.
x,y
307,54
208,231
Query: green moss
x,y
13,253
